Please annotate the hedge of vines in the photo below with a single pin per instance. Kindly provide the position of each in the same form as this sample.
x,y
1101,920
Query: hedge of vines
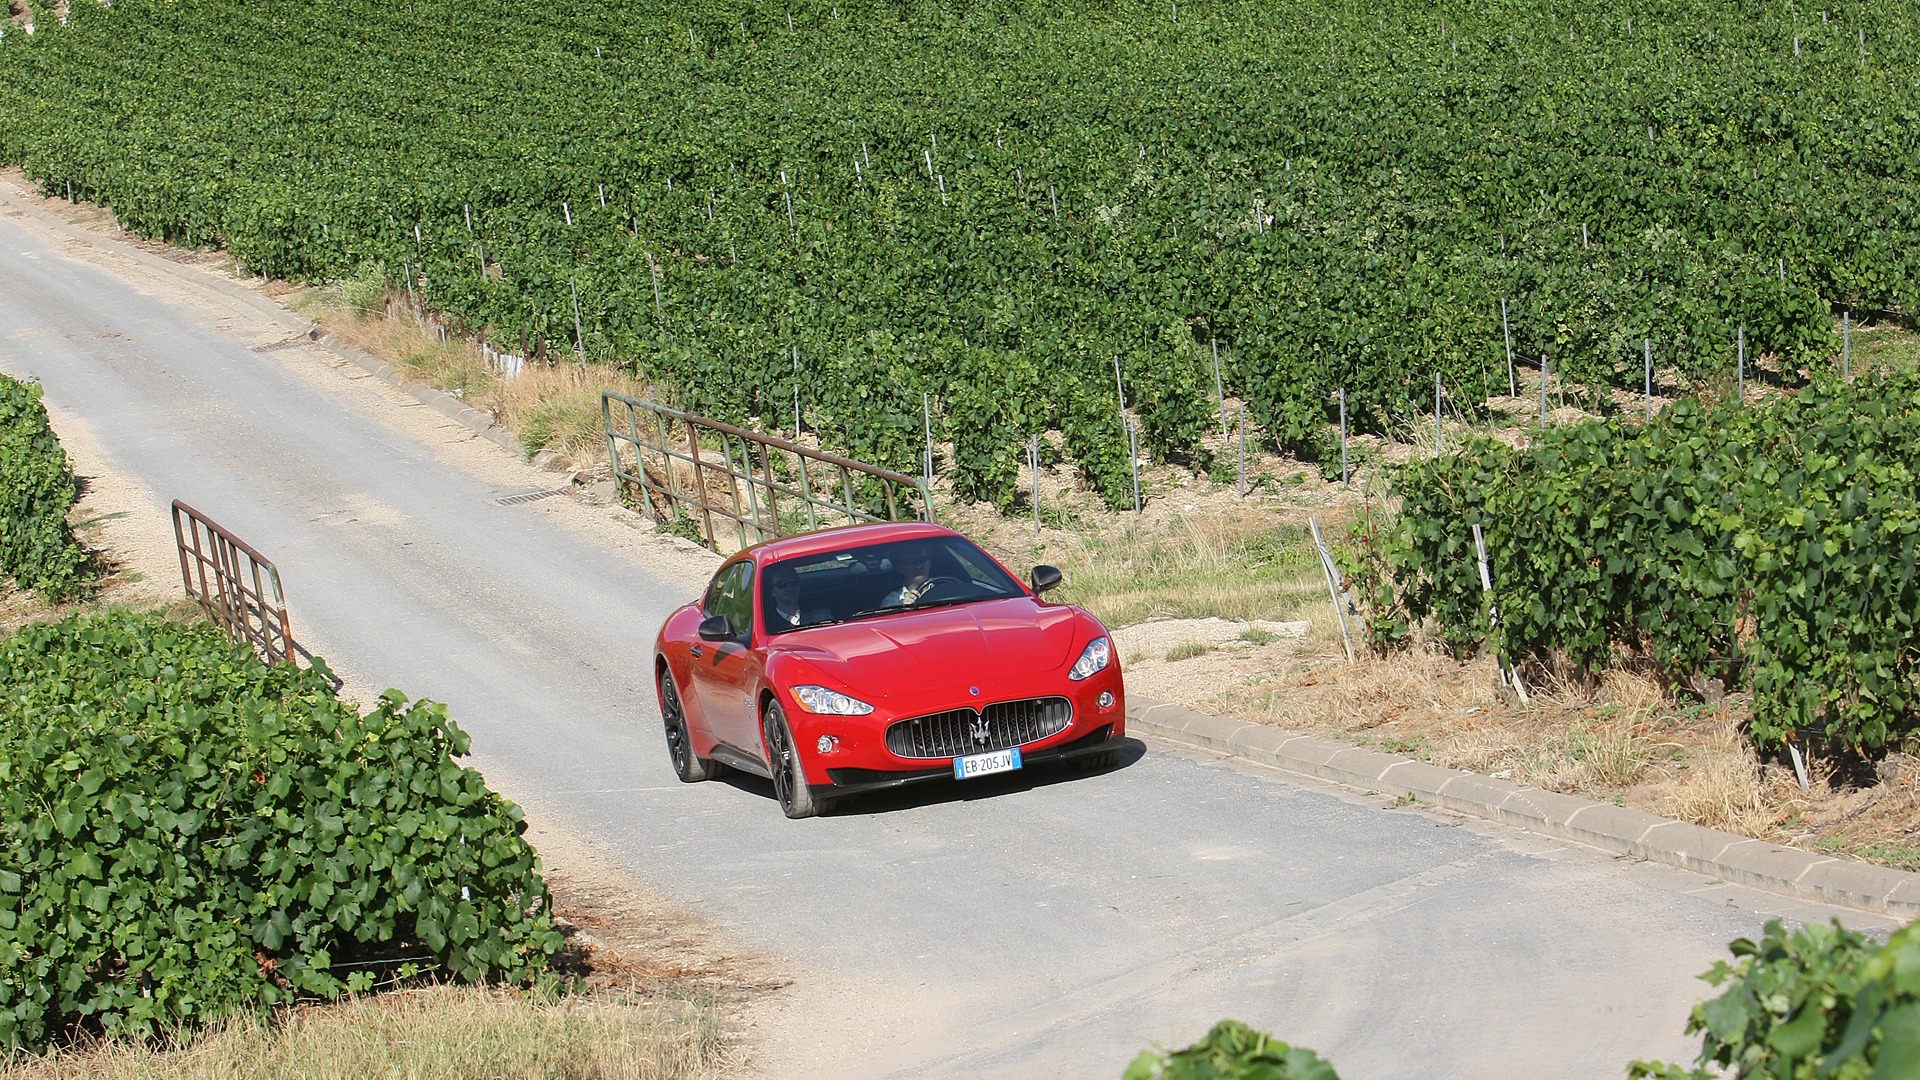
x,y
987,201
186,833
37,489
1772,547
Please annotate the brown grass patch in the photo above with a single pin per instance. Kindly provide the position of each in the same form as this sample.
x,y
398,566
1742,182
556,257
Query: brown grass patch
x,y
547,406
442,1031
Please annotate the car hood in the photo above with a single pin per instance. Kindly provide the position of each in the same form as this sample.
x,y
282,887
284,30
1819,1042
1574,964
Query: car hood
x,y
948,646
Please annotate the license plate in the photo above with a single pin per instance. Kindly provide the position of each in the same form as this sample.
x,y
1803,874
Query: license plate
x,y
966,768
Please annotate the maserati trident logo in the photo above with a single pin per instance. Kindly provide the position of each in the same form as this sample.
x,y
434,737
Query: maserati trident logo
x,y
981,732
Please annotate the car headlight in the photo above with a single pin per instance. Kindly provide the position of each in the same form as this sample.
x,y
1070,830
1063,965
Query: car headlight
x,y
819,699
1093,658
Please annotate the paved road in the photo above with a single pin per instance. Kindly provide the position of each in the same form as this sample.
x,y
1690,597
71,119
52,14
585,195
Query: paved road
x,y
1030,927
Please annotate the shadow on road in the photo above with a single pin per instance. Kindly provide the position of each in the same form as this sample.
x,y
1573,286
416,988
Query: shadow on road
x,y
935,792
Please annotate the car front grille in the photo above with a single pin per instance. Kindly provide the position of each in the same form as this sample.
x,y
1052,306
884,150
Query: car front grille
x,y
958,731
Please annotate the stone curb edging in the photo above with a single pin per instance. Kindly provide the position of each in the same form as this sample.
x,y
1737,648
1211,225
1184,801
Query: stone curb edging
x,y
1739,859
438,400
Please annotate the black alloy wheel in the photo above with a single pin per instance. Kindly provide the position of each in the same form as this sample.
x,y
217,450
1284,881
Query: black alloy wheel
x,y
783,761
690,769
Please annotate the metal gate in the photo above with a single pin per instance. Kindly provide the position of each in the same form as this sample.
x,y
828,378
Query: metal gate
x,y
687,468
237,586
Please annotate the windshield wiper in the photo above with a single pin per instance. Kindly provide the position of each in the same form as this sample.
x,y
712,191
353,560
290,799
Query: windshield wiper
x,y
891,608
882,610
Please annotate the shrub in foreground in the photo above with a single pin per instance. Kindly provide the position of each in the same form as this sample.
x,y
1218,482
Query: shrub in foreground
x,y
1818,1002
187,833
1232,1051
37,549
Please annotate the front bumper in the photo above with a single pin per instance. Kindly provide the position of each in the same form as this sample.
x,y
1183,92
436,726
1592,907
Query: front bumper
x,y
854,755
857,781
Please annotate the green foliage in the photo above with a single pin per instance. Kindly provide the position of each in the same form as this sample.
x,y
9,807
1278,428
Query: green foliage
x,y
37,549
188,833
1775,546
1232,1051
1820,1002
1337,195
364,291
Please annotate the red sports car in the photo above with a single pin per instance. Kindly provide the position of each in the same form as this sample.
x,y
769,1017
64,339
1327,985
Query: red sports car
x,y
873,656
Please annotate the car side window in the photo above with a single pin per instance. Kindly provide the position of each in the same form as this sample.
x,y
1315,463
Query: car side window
x,y
731,594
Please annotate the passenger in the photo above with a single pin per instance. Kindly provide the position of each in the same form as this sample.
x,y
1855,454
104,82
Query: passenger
x,y
783,611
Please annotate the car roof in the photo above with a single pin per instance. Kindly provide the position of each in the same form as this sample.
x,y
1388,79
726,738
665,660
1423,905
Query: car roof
x,y
815,543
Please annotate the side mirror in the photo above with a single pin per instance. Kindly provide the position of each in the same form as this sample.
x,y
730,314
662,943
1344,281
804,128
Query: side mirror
x,y
716,628
1045,577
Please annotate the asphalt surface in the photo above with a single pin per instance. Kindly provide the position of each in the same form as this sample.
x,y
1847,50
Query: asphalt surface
x,y
1025,926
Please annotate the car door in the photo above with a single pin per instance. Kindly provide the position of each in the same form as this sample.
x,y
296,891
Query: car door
x,y
722,670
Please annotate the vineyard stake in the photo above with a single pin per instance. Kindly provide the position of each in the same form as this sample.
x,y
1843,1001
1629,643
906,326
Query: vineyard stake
x,y
1133,462
1493,619
1333,587
1543,391
1436,414
1054,196
1033,465
1119,388
1243,450
1218,390
928,154
796,393
1512,390
1846,343
1646,346
603,195
653,269
1343,435
579,343
1740,361
566,212
926,415
790,224
467,208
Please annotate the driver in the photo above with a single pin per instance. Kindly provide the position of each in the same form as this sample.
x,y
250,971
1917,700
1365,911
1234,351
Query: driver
x,y
916,565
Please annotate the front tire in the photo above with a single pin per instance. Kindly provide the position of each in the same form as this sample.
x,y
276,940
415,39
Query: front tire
x,y
783,761
686,765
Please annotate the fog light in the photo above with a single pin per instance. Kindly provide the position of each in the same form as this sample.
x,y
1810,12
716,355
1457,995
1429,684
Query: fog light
x,y
1105,699
827,744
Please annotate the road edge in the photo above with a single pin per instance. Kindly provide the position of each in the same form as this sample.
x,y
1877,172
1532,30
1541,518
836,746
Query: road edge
x,y
1740,859
439,401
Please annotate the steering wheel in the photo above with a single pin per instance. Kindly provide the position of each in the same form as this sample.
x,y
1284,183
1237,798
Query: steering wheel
x,y
927,585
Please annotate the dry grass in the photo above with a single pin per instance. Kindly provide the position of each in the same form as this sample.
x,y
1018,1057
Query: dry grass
x,y
548,407
1241,566
443,1032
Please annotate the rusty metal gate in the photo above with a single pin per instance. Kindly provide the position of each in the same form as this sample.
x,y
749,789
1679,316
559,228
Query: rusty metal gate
x,y
236,585
687,468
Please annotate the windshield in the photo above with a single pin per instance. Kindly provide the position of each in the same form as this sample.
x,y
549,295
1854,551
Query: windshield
x,y
878,579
